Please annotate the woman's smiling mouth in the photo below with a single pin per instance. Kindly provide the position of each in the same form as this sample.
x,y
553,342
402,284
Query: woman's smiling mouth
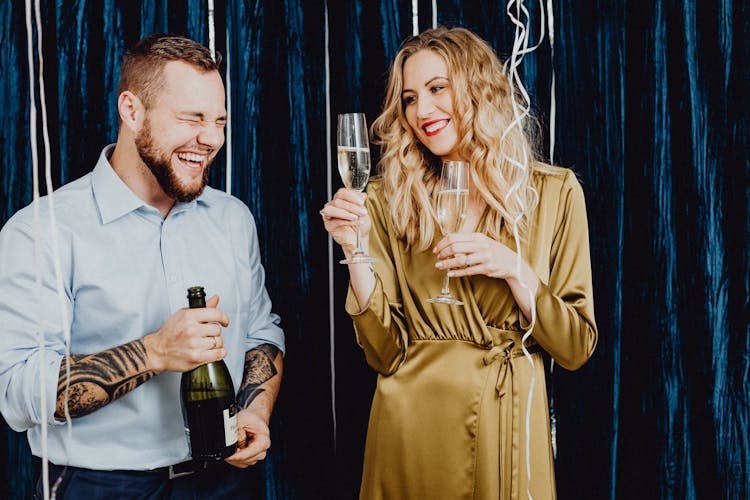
x,y
434,127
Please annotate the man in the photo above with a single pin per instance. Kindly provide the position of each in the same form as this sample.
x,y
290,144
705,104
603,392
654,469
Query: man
x,y
133,235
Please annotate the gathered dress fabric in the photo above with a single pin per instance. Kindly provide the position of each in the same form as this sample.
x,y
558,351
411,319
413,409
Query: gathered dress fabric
x,y
448,417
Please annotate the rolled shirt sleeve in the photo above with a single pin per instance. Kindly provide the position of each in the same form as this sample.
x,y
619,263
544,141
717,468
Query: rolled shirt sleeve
x,y
23,362
264,324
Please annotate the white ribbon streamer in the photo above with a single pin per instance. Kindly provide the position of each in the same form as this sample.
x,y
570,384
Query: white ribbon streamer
x,y
329,187
228,171
552,103
37,240
414,17
520,19
37,251
211,30
552,116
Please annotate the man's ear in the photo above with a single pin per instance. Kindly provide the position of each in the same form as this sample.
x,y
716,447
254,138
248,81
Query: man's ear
x,y
131,110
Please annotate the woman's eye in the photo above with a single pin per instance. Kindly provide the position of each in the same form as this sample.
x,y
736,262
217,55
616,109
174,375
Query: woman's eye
x,y
436,89
409,99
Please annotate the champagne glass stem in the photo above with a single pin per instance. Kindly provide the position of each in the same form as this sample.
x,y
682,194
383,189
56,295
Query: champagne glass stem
x,y
445,290
359,250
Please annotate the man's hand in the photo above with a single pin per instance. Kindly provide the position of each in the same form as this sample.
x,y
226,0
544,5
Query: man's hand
x,y
189,338
254,439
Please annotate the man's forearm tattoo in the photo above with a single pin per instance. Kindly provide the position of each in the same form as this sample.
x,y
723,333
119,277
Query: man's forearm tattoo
x,y
98,379
259,368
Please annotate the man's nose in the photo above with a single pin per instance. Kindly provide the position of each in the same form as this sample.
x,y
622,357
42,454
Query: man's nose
x,y
211,135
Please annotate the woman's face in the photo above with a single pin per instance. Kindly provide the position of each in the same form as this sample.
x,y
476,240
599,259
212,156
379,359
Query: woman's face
x,y
428,103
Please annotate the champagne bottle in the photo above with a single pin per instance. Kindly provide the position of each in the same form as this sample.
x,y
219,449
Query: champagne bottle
x,y
208,404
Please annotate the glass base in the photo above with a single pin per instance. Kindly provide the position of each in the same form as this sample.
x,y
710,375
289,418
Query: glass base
x,y
359,258
445,299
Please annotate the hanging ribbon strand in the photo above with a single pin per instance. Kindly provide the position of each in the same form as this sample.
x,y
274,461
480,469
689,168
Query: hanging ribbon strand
x,y
552,116
518,13
414,17
329,194
211,29
37,239
552,103
228,147
37,251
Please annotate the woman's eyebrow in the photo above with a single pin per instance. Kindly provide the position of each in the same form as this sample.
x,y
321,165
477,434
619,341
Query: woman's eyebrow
x,y
426,83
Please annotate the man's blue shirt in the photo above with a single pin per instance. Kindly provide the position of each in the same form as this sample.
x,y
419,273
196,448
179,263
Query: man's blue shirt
x,y
124,271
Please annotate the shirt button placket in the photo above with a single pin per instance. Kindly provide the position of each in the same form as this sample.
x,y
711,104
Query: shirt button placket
x,y
175,292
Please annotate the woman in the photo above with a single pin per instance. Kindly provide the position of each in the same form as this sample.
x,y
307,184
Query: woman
x,y
448,418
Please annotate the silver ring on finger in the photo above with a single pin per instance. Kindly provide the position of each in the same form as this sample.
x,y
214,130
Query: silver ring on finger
x,y
468,260
216,342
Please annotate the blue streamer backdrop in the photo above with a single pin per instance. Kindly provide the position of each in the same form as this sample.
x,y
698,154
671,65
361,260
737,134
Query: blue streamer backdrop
x,y
652,114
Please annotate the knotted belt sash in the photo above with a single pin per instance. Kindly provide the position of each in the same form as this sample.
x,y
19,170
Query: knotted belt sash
x,y
506,345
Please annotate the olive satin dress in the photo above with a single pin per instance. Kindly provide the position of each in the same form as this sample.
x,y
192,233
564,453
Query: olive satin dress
x,y
448,418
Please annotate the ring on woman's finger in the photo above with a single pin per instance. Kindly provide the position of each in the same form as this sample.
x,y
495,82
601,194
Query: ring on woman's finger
x,y
216,342
468,260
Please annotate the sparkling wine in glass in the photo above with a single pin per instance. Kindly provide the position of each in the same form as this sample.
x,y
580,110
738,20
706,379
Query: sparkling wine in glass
x,y
353,149
452,203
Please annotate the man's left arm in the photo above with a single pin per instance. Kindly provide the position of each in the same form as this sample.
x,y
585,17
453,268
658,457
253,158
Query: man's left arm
x,y
257,394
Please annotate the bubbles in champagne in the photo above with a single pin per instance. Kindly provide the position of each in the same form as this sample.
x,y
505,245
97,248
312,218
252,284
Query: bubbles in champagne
x,y
354,167
451,209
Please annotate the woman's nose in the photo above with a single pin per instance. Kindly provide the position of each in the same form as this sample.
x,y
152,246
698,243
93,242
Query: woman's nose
x,y
425,106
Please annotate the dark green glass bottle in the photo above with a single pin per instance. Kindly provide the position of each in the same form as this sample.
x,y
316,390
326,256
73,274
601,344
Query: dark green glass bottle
x,y
208,404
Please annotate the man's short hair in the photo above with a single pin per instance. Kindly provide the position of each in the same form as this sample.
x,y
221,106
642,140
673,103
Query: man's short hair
x,y
142,67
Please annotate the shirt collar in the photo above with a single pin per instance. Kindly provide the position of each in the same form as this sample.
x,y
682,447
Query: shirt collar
x,y
114,198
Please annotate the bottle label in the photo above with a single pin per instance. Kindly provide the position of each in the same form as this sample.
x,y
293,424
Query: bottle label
x,y
230,427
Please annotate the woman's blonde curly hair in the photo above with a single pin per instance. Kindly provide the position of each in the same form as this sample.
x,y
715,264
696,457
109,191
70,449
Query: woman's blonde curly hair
x,y
483,113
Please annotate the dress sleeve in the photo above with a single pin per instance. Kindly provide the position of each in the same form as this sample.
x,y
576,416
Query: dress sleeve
x,y
565,325
381,326
21,358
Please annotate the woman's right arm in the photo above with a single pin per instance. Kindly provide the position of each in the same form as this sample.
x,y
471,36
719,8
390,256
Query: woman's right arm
x,y
374,301
340,217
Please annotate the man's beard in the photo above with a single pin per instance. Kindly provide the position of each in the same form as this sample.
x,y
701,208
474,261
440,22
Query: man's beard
x,y
161,166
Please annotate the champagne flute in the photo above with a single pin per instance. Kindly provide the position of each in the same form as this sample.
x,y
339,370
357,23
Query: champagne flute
x,y
354,166
452,202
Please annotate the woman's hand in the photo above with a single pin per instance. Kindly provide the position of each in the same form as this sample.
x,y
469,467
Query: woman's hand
x,y
466,254
341,216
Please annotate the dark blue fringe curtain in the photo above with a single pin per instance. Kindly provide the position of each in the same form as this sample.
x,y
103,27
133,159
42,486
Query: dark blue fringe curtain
x,y
652,114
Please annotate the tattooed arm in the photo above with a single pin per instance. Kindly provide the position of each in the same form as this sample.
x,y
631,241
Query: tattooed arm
x,y
190,337
98,379
261,380
255,400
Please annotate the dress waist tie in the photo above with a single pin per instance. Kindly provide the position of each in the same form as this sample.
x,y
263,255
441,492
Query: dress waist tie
x,y
503,350
506,346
